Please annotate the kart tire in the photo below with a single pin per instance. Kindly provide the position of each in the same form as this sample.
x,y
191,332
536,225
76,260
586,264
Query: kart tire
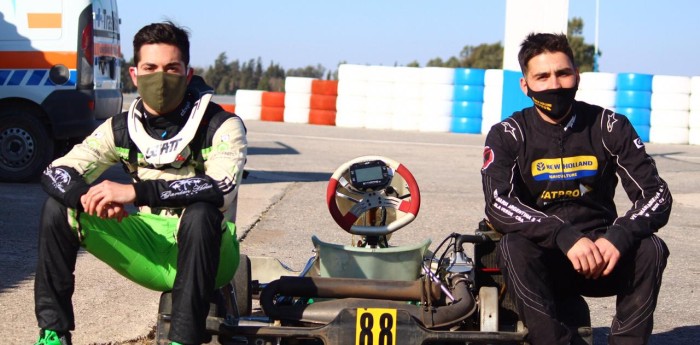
x,y
241,287
26,144
165,308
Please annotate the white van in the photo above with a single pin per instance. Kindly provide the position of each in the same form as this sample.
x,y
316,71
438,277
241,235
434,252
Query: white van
x,y
59,77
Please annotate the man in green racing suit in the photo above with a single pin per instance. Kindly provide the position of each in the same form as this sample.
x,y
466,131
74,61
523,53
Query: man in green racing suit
x,y
185,155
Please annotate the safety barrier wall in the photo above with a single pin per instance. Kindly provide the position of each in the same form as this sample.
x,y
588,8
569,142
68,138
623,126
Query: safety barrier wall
x,y
492,109
322,108
661,108
633,99
694,116
297,99
272,106
467,111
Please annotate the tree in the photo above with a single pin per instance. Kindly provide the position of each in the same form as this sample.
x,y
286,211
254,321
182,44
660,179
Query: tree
x,y
583,53
309,71
483,56
435,62
273,78
413,63
217,75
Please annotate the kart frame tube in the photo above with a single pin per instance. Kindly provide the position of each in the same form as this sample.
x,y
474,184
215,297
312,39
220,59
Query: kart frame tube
x,y
342,331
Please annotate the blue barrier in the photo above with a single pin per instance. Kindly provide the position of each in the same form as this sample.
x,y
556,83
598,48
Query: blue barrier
x,y
469,93
634,81
632,99
637,116
513,97
643,132
469,76
469,125
467,109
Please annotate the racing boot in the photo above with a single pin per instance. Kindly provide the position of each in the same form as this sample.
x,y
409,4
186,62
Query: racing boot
x,y
49,337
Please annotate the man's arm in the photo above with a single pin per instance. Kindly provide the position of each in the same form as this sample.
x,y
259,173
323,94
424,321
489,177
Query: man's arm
x,y
651,199
68,178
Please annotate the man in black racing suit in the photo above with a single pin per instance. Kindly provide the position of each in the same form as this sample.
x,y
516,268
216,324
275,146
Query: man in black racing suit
x,y
185,155
549,179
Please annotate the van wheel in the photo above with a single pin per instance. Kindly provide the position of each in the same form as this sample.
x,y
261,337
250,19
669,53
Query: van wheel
x,y
26,147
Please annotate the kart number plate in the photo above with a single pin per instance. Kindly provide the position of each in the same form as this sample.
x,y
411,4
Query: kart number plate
x,y
375,326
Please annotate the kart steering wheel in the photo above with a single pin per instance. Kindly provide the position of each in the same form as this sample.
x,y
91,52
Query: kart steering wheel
x,y
357,202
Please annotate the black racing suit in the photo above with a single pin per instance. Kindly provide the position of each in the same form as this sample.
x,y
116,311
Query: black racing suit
x,y
199,188
546,186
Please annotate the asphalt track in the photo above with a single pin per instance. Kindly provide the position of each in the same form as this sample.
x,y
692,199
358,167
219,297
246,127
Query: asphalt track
x,y
282,203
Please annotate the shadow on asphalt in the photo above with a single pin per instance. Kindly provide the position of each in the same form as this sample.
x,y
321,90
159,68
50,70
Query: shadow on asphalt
x,y
257,176
279,149
678,335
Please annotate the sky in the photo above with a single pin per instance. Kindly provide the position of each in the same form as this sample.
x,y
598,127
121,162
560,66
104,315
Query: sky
x,y
635,36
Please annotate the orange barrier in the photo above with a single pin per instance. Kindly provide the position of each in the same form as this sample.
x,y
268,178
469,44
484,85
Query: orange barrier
x,y
231,108
322,106
324,87
322,117
323,102
275,114
272,99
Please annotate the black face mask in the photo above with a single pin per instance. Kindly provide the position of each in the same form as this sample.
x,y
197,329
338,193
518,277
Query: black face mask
x,y
555,103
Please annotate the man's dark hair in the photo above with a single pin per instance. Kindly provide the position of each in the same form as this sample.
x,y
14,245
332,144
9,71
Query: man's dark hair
x,y
536,44
167,33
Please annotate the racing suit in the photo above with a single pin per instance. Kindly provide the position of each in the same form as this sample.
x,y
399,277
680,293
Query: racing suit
x,y
181,232
546,186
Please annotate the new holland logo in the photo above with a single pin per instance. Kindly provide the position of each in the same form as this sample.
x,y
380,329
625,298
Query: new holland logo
x,y
567,168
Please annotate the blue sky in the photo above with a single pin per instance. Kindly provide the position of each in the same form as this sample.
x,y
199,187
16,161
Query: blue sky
x,y
654,37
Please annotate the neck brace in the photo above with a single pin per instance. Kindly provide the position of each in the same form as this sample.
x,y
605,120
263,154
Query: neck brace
x,y
160,152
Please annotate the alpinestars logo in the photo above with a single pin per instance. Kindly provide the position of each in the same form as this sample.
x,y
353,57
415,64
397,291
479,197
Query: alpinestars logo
x,y
509,129
611,122
59,178
186,187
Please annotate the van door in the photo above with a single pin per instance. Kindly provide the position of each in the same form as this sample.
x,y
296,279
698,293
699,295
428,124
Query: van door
x,y
107,50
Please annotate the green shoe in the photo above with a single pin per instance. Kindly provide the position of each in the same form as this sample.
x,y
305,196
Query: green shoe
x,y
49,337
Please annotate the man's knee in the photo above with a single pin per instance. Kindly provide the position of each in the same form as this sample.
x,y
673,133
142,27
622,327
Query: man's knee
x,y
515,247
53,213
652,252
200,220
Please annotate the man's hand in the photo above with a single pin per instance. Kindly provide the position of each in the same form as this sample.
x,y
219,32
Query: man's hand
x,y
586,258
611,255
107,199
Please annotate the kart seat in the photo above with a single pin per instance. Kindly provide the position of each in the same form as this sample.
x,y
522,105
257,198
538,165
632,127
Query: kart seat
x,y
392,263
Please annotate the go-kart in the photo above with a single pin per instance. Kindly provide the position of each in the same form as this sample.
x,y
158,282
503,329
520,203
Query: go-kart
x,y
373,293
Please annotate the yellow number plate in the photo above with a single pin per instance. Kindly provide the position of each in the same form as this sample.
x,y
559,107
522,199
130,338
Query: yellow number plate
x,y
375,326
